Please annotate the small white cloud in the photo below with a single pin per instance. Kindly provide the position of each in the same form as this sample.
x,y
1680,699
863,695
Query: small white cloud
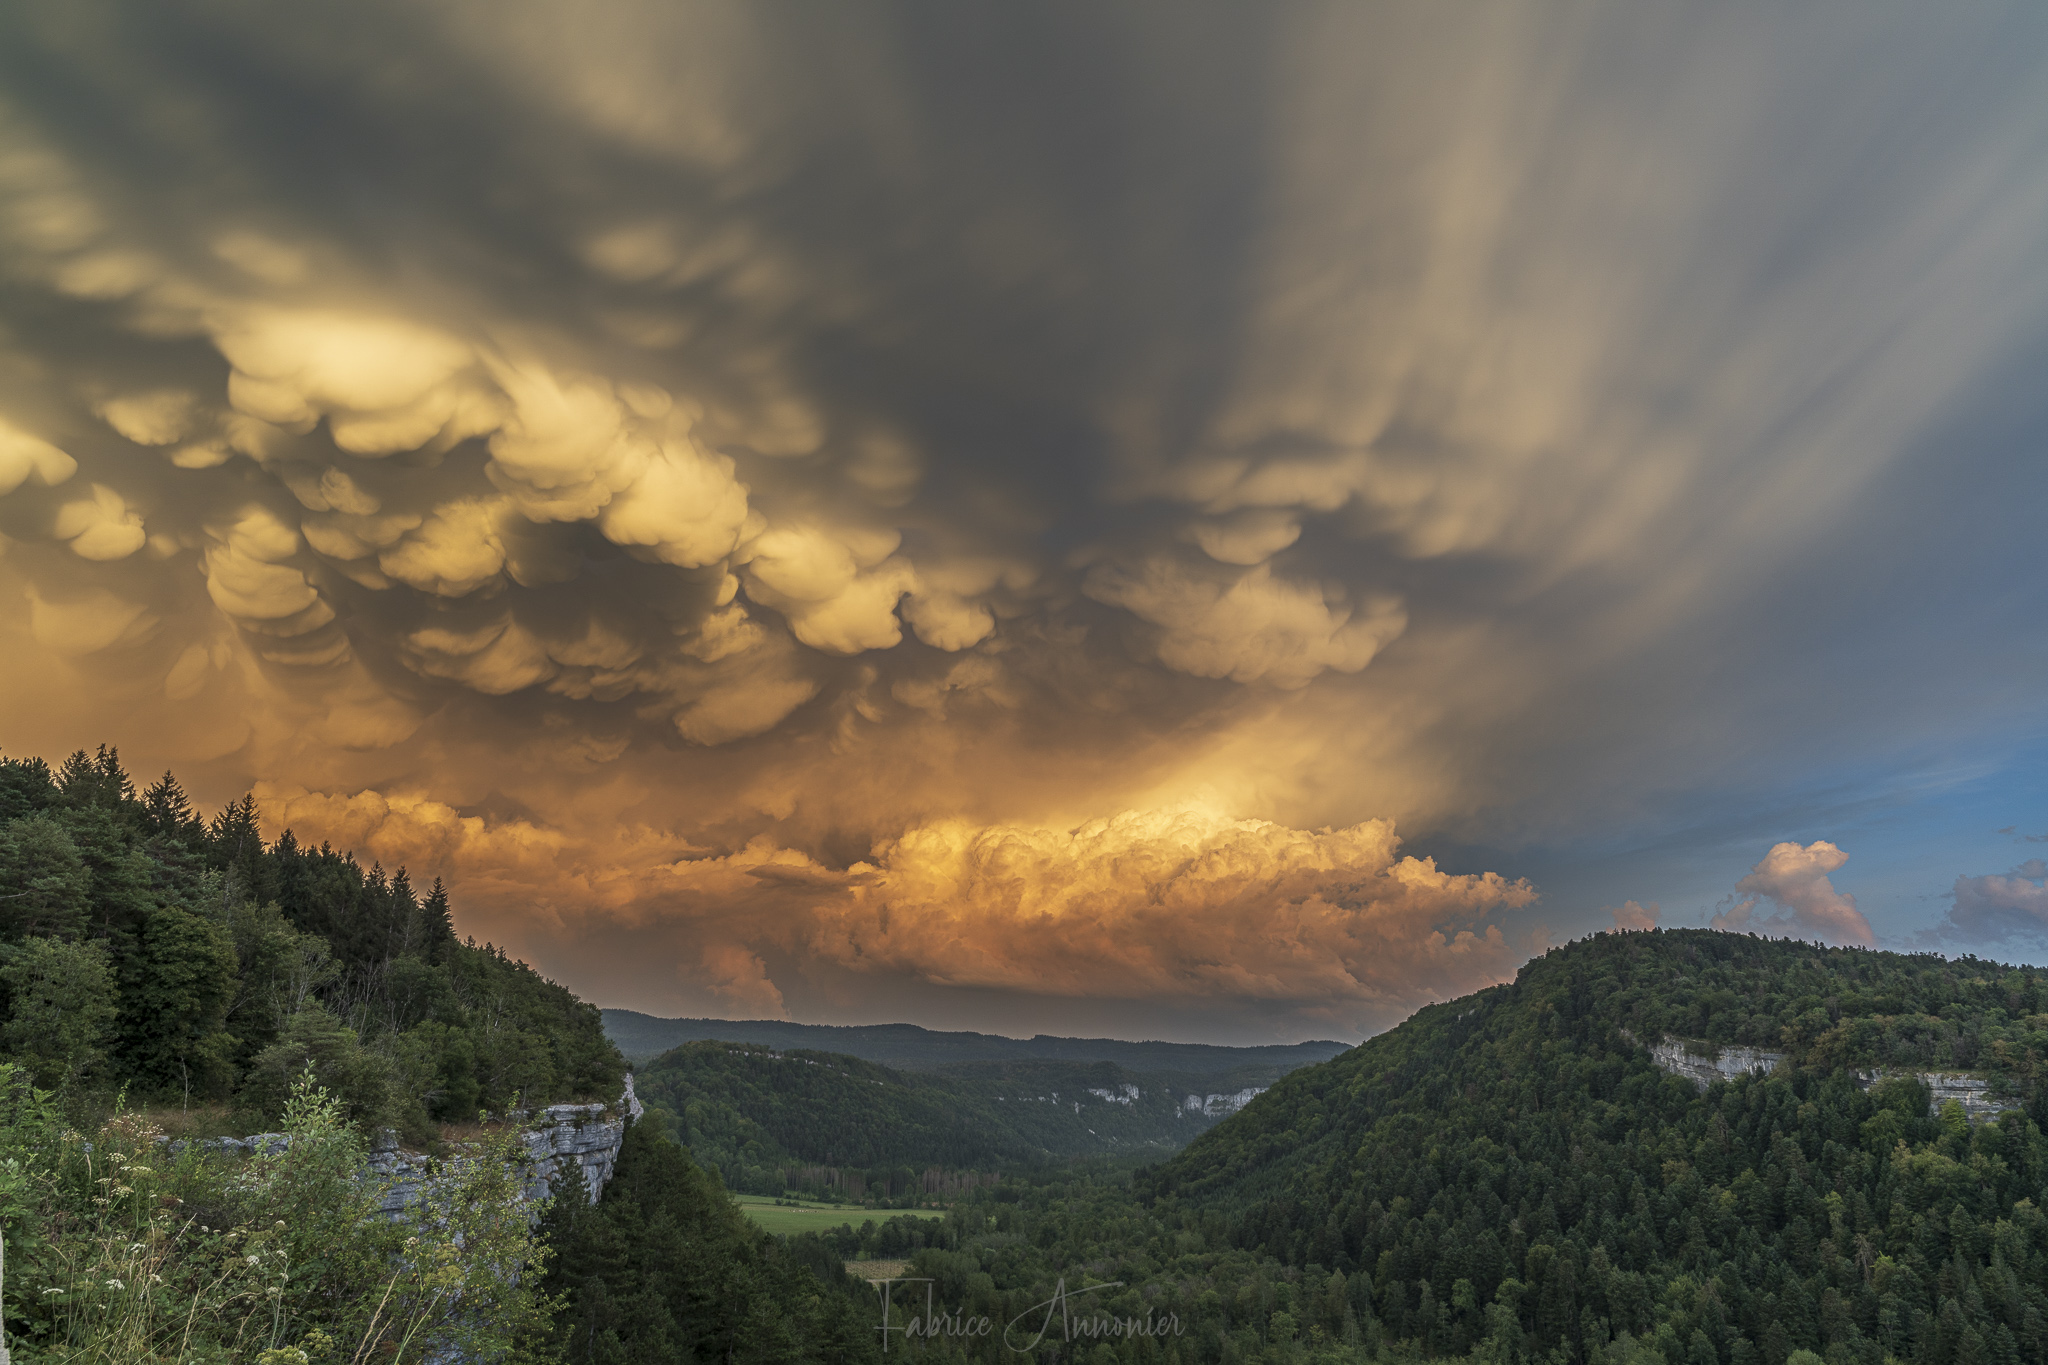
x,y
633,252
686,506
1630,916
262,257
496,659
358,362
1795,880
245,572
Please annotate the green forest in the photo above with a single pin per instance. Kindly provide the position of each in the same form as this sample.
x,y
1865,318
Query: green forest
x,y
166,979
837,1126
665,1268
1510,1178
1505,1179
147,951
753,1114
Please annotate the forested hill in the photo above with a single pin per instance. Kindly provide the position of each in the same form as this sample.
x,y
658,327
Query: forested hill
x,y
143,947
910,1048
1514,1167
760,1117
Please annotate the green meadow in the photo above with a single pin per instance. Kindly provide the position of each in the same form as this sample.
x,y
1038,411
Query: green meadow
x,y
779,1218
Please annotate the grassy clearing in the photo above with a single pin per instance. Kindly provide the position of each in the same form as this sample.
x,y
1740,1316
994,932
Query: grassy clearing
x,y
877,1270
183,1121
774,1217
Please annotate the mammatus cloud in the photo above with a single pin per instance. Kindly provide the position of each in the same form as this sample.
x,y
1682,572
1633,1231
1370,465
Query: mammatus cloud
x,y
1789,893
1248,626
25,458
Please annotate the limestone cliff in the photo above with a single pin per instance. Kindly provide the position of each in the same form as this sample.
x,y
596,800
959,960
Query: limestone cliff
x,y
569,1148
1981,1097
1219,1106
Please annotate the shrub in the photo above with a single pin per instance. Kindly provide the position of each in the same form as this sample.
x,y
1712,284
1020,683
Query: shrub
x,y
119,1251
314,1040
62,1008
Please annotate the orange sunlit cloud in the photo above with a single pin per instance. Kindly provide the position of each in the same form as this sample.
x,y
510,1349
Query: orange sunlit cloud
x,y
1159,905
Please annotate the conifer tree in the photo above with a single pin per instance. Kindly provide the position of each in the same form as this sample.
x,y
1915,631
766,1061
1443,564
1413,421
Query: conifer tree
x,y
61,1008
439,924
44,884
96,781
167,813
26,786
217,943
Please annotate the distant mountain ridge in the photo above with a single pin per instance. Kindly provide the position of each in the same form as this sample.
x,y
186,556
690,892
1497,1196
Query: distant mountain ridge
x,y
909,1047
770,1121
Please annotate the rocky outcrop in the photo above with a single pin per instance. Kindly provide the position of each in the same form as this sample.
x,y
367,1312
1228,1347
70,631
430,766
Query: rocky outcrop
x,y
1218,1106
570,1148
1974,1093
570,1151
1981,1097
1703,1068
256,1144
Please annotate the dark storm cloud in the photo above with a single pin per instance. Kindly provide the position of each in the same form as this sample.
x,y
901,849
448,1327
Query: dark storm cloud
x,y
906,434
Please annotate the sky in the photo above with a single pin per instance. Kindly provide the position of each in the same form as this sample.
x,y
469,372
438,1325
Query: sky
x,y
1223,522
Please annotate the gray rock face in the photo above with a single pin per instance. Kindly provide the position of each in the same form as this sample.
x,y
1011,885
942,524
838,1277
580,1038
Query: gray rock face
x,y
1703,1067
1123,1094
569,1147
578,1149
1974,1093
1217,1106
256,1144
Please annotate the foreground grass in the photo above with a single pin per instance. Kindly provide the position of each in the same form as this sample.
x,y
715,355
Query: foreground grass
x,y
123,1251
